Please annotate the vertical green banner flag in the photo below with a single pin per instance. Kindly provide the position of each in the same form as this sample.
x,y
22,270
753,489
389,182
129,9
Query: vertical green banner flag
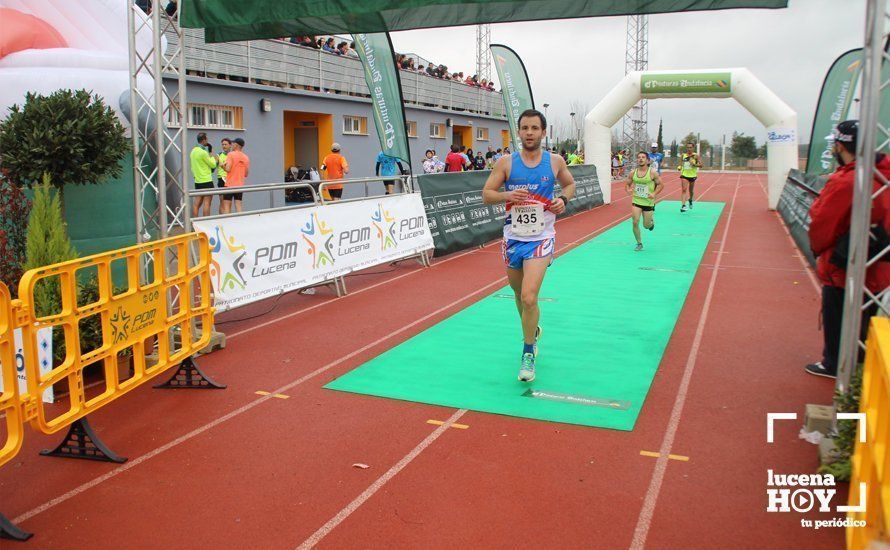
x,y
515,88
376,53
832,108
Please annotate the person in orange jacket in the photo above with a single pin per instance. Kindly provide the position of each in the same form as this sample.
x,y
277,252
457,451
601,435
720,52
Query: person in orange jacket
x,y
830,236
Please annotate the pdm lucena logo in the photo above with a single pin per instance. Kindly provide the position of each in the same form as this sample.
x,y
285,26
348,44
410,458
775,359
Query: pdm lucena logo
x,y
319,237
228,261
385,224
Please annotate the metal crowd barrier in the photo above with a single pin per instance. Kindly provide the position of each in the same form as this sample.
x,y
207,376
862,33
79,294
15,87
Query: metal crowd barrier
x,y
163,317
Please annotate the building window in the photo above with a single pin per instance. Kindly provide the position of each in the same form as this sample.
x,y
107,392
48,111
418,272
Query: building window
x,y
412,128
355,125
481,134
437,130
210,116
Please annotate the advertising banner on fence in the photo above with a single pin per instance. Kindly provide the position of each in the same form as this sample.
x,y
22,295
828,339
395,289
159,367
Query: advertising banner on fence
x,y
263,255
833,107
44,356
458,219
794,207
517,91
693,83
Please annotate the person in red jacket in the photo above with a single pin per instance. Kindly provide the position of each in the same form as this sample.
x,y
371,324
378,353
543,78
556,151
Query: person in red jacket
x,y
830,236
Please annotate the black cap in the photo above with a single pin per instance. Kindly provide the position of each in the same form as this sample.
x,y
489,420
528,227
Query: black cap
x,y
846,132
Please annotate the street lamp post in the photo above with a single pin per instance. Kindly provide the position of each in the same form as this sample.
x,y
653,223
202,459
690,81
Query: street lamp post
x,y
573,128
546,134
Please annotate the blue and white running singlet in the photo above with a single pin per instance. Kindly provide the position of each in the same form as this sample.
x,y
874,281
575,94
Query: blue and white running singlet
x,y
533,218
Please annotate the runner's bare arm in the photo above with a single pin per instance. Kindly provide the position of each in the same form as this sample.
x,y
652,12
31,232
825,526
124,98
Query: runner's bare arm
x,y
659,185
491,193
566,181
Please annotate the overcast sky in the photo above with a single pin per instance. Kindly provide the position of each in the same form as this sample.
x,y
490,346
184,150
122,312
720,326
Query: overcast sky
x,y
580,60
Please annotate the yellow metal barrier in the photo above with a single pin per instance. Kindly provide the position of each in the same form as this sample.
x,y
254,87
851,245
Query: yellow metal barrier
x,y
871,460
154,308
10,404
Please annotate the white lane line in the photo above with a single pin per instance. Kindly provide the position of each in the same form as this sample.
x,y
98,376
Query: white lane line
x,y
644,522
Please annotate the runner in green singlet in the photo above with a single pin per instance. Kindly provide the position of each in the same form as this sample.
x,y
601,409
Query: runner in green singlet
x,y
644,184
689,165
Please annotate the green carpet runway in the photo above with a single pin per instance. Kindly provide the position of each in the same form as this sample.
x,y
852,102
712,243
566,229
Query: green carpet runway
x,y
607,313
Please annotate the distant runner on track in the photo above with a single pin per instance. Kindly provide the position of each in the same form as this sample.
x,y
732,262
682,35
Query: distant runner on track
x,y
689,165
644,184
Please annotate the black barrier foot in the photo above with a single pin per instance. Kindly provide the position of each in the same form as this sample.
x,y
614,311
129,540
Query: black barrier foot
x,y
189,375
82,442
8,530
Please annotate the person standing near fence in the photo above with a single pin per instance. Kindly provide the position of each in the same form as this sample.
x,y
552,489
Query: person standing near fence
x,y
336,168
202,163
829,234
237,168
386,166
221,173
454,161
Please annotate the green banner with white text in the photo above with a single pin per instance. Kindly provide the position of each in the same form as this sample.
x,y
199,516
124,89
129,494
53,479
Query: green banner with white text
x,y
692,83
376,54
517,91
833,108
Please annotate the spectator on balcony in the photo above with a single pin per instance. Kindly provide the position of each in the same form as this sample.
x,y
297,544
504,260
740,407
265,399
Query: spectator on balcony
x,y
336,167
491,86
343,49
470,81
421,69
329,46
455,162
352,52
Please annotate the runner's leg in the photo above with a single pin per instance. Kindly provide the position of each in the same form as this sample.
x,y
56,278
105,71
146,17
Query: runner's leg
x,y
635,214
533,275
648,219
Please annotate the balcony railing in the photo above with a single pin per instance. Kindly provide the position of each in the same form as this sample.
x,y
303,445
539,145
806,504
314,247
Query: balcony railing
x,y
280,63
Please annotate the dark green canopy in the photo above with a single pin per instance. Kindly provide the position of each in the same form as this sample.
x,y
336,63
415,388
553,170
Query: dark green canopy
x,y
232,20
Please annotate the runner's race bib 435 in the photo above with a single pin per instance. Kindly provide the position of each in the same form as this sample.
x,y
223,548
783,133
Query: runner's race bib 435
x,y
527,219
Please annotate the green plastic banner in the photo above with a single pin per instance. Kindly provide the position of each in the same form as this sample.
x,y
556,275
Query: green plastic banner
x,y
691,83
376,53
832,108
794,207
232,20
517,92
459,220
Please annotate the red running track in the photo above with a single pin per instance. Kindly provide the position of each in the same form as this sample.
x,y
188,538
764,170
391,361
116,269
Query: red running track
x,y
232,469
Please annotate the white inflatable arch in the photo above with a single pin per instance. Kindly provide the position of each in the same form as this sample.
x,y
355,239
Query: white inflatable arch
x,y
740,84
